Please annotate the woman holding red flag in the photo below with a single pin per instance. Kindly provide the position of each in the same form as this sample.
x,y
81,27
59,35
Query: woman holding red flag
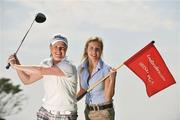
x,y
99,102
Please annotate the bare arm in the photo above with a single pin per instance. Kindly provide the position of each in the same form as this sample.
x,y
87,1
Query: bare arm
x,y
31,73
40,70
81,90
28,78
25,76
109,86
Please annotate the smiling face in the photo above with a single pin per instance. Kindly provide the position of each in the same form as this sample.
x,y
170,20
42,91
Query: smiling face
x,y
94,51
58,51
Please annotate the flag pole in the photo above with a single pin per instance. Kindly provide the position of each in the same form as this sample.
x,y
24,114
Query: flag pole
x,y
97,83
102,79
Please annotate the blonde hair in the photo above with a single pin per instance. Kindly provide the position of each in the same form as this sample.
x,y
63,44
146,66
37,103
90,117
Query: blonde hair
x,y
92,39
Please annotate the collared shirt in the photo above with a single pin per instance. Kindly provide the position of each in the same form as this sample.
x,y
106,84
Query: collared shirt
x,y
96,96
60,91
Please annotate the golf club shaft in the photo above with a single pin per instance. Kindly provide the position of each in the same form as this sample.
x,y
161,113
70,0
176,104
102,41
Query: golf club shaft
x,y
24,37
8,65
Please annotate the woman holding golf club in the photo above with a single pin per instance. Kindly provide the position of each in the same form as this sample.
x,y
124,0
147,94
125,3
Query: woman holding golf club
x,y
60,81
99,102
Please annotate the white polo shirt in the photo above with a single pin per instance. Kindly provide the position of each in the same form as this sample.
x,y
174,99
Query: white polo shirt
x,y
60,92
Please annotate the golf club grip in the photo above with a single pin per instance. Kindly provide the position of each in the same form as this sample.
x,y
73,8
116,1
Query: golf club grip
x,y
81,96
8,66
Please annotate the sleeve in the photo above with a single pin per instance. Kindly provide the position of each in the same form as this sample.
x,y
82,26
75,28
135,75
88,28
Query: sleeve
x,y
46,62
79,70
82,76
107,69
68,69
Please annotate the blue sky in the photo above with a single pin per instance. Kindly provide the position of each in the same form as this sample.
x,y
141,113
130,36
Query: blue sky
x,y
125,27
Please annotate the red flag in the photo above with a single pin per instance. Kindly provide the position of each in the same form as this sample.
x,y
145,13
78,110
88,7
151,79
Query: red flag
x,y
151,68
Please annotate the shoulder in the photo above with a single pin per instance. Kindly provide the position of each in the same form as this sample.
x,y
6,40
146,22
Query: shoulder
x,y
82,66
105,65
65,64
106,68
47,62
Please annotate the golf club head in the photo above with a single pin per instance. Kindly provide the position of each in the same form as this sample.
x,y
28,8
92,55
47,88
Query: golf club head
x,y
40,18
8,65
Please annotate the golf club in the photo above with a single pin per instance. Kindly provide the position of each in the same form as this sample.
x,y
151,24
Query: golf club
x,y
40,18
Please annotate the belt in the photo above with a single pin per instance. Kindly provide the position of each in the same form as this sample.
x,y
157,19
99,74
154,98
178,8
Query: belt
x,y
60,112
99,107
54,112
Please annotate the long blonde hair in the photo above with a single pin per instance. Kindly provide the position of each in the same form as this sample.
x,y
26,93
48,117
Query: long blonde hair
x,y
92,39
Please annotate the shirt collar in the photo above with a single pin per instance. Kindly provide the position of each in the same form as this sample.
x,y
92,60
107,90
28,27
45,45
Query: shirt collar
x,y
51,60
99,65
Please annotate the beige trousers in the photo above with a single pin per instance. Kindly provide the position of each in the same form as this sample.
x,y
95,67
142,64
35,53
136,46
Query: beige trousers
x,y
106,114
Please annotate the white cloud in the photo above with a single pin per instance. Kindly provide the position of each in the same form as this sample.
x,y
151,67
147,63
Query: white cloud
x,y
129,16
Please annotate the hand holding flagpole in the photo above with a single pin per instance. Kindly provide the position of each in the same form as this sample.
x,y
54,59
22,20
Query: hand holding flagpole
x,y
97,83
